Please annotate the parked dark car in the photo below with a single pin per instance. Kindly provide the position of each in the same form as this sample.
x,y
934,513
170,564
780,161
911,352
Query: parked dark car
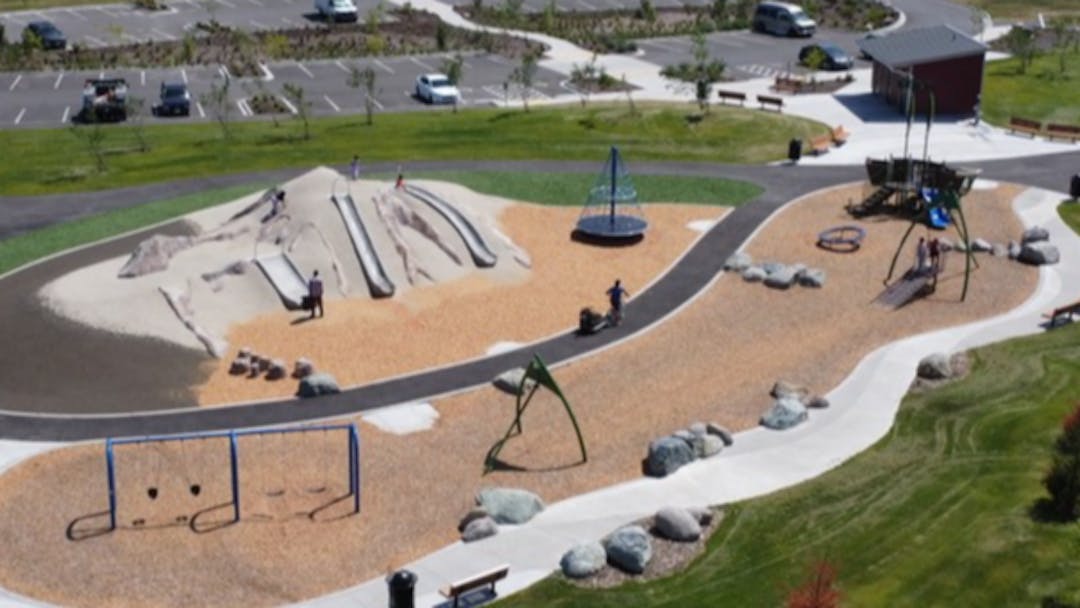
x,y
50,35
104,99
836,58
175,99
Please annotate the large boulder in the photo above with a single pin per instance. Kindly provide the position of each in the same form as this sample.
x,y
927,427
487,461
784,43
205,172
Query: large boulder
x,y
510,381
817,402
479,528
703,515
785,413
677,524
510,505
1014,250
317,384
711,445
303,368
1034,235
1039,253
585,559
239,366
754,274
629,549
474,514
153,255
812,277
277,370
738,262
934,367
782,278
722,432
772,267
666,455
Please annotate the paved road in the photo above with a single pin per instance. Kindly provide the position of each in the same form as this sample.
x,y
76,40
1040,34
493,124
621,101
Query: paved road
x,y
88,356
51,99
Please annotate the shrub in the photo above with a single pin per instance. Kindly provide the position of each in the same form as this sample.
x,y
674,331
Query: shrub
x,y
818,591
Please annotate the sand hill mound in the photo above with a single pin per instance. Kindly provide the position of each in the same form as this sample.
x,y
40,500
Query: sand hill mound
x,y
253,256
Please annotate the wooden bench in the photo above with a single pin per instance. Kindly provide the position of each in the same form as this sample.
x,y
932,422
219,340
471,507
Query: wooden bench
x,y
1070,132
1023,125
733,95
460,588
769,100
1063,314
820,145
839,135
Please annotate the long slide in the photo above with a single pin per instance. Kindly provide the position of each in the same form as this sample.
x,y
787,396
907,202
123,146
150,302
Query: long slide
x,y
286,279
479,250
379,284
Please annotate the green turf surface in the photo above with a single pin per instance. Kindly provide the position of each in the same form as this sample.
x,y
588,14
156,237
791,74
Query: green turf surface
x,y
938,513
23,248
1023,9
572,188
1043,93
658,132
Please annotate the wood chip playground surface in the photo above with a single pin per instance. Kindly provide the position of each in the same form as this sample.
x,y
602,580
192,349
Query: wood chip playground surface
x,y
713,361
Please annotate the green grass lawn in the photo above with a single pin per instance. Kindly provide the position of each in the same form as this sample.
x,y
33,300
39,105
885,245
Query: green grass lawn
x,y
1022,9
1044,93
935,514
22,5
40,161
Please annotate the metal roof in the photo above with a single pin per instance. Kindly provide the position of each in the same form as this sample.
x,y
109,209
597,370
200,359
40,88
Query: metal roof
x,y
922,45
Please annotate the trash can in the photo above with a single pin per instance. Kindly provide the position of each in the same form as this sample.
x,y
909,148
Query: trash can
x,y
402,587
1074,186
794,150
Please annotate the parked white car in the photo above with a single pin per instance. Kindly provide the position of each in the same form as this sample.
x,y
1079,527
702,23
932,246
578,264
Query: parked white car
x,y
436,88
337,10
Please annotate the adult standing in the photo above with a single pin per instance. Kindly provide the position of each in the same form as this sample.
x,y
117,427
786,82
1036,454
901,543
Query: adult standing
x,y
354,168
921,252
315,293
935,255
615,295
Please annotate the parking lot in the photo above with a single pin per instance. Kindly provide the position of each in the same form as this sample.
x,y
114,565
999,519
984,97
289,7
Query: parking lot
x,y
538,6
51,99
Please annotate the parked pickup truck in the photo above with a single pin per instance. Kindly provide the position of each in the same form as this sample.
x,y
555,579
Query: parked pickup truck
x,y
105,100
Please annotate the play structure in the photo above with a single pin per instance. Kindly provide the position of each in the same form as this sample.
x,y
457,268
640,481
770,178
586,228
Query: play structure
x,y
842,239
481,254
285,277
232,438
612,212
379,284
535,376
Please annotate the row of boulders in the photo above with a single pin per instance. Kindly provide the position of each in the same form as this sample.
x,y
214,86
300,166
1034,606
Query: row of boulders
x,y
496,506
699,440
791,405
253,365
774,274
1034,247
630,548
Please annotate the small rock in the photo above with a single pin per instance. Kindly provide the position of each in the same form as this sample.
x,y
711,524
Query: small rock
x,y
812,277
674,523
303,368
585,559
722,432
784,414
276,371
1014,250
317,384
817,402
945,244
479,528
1034,235
1039,253
786,388
703,515
474,514
999,250
629,549
772,267
510,381
264,363
244,352
698,428
754,274
666,455
239,366
783,278
711,445
738,262
510,505
934,367
981,245
685,435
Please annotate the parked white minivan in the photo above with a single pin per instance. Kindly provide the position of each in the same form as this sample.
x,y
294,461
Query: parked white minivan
x,y
337,10
783,19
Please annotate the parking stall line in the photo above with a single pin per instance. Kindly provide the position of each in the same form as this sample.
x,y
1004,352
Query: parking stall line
x,y
375,102
497,59
288,104
105,11
243,107
587,6
198,106
226,3
163,35
331,102
258,25
382,66
289,22
101,75
76,14
142,78
19,118
59,79
256,2
183,75
342,67
422,64
304,69
127,36
64,117
15,83
96,42
15,20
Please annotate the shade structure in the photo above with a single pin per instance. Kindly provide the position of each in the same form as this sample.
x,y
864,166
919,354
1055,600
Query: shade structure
x,y
612,211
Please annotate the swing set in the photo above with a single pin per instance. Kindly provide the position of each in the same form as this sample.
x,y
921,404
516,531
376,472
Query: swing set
x,y
153,492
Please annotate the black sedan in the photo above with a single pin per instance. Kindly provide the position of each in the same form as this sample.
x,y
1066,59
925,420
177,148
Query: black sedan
x,y
51,37
832,56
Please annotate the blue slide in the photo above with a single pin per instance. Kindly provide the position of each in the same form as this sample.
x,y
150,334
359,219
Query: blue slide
x,y
938,217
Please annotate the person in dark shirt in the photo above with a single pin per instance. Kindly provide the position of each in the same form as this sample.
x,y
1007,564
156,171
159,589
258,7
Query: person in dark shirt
x,y
315,291
615,295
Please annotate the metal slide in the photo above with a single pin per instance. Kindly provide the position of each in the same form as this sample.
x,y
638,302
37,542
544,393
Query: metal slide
x,y
285,278
379,284
481,255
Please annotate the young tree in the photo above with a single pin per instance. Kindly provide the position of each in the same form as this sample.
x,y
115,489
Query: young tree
x,y
525,77
703,83
1021,43
814,60
89,131
136,113
629,98
297,96
365,78
583,77
818,590
1062,481
718,10
1064,35
550,12
218,103
647,11
440,35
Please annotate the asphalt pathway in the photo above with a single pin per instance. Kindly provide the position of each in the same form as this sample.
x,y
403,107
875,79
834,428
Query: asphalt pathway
x,y
94,376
